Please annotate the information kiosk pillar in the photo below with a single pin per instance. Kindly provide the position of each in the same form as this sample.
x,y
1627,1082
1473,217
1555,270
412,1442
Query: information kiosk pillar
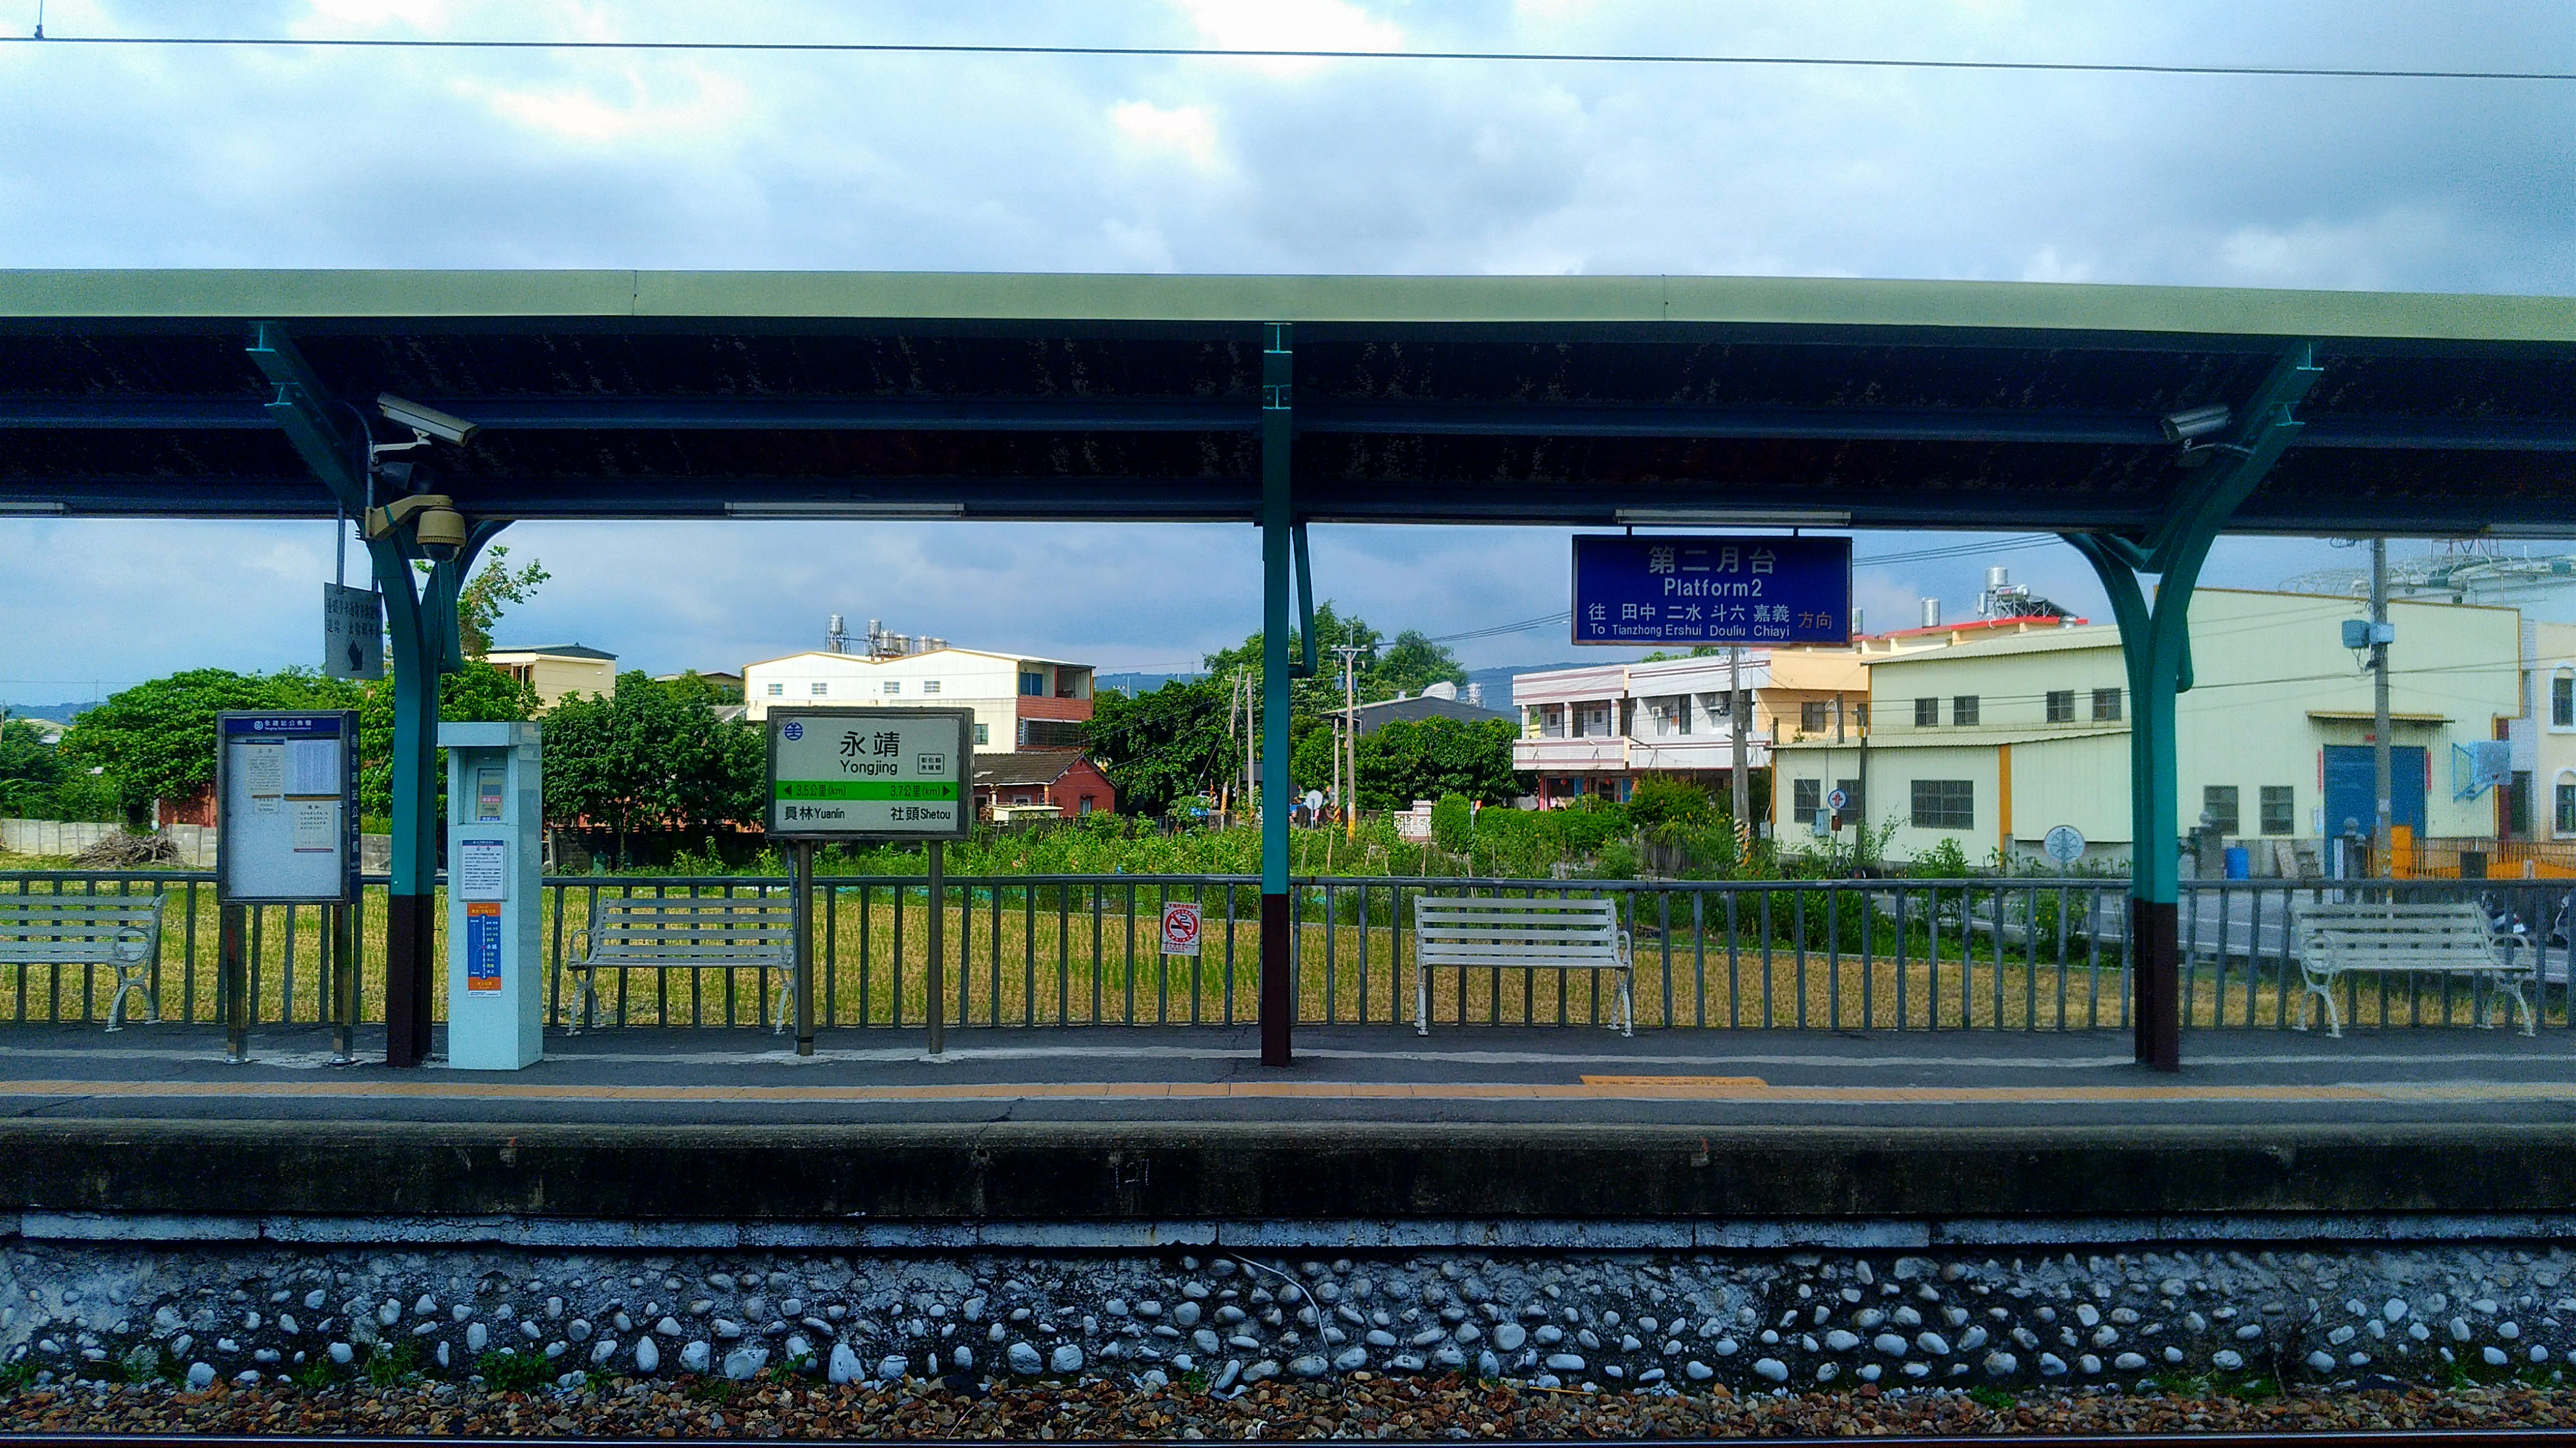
x,y
495,968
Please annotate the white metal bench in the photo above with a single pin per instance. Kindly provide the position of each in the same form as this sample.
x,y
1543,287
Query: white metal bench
x,y
2428,938
121,932
1471,931
680,933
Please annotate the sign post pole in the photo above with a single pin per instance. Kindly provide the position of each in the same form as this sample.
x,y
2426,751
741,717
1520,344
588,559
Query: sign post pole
x,y
803,855
938,955
344,984
233,981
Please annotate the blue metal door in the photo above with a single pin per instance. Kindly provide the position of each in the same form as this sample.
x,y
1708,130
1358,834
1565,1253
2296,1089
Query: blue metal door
x,y
2352,782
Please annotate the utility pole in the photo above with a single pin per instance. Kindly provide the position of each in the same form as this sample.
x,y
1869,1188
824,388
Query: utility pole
x,y
1250,738
1738,722
1350,740
2379,690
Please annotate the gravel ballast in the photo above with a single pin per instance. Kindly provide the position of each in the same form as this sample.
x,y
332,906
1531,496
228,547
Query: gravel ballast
x,y
1366,1406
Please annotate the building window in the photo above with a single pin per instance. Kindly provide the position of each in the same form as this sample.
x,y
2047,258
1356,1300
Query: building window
x,y
1927,712
818,688
2061,706
983,734
1812,716
1806,796
1945,804
1853,807
2517,806
2276,810
2562,701
2566,806
1963,709
894,686
930,686
777,691
1084,806
2218,806
1033,684
2106,705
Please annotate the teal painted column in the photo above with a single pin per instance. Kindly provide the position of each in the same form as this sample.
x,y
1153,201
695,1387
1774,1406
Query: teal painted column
x,y
2155,644
420,619
1278,965
423,633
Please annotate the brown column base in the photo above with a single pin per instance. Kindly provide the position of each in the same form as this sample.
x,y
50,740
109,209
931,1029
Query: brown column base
x,y
1278,981
2155,1010
409,932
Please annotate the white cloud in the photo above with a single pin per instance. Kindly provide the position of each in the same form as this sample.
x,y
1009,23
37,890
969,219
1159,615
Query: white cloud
x,y
309,157
1189,132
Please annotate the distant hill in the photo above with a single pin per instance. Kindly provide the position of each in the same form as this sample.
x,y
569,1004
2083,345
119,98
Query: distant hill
x,y
59,713
1135,683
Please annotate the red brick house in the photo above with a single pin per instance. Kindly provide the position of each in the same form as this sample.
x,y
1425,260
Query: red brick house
x,y
1059,777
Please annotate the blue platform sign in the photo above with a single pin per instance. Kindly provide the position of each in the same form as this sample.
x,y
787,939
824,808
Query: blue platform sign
x,y
1701,589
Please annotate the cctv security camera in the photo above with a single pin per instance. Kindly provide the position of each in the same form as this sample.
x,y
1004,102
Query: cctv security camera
x,y
437,527
2183,426
427,420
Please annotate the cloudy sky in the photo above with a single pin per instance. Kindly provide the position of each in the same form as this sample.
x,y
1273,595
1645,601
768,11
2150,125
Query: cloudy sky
x,y
301,157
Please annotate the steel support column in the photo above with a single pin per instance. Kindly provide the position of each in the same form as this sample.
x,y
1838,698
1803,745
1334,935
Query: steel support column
x,y
421,624
2155,643
1278,964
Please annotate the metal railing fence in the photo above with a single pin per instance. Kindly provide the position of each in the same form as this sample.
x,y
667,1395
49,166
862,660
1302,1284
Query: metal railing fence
x,y
1840,955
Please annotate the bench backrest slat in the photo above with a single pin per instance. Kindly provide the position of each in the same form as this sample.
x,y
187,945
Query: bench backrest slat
x,y
78,929
1451,930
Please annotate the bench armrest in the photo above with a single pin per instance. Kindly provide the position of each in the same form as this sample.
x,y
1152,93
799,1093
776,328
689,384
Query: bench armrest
x,y
577,947
1624,949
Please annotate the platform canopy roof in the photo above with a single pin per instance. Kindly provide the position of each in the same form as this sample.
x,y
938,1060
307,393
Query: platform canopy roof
x,y
1542,400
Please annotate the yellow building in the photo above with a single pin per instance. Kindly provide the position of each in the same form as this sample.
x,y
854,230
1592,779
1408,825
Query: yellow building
x,y
558,671
1992,743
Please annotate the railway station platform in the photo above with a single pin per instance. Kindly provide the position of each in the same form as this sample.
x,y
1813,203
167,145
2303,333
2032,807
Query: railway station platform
x,y
1166,1126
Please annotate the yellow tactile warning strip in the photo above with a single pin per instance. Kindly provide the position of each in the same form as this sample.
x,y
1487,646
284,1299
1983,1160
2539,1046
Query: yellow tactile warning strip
x,y
1591,1088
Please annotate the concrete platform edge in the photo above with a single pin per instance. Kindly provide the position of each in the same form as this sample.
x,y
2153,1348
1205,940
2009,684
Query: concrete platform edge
x,y
577,1234
1014,1184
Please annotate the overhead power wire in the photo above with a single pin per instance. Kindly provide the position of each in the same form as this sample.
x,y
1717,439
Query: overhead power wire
x,y
1196,52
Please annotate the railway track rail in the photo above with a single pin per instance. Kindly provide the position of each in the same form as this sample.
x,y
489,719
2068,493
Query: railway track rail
x,y
2353,1439
2375,1438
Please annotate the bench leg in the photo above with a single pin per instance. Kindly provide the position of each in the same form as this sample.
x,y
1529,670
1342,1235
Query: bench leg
x,y
585,1001
1421,998
786,997
130,981
2494,1005
1628,1002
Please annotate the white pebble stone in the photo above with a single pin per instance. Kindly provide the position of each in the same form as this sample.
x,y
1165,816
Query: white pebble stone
x,y
2321,1361
1771,1369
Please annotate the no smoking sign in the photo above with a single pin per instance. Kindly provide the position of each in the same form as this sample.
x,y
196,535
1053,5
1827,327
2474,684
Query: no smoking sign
x,y
1180,928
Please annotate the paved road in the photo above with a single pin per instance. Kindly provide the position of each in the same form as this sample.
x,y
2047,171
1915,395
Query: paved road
x,y
1979,1080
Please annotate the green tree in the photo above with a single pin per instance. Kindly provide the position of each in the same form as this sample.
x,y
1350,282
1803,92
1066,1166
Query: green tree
x,y
1410,665
492,589
30,770
1164,746
1660,801
650,758
694,686
478,693
157,739
1453,823
1406,760
1321,694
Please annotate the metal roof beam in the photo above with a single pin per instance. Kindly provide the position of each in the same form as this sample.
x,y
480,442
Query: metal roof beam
x,y
1601,420
311,417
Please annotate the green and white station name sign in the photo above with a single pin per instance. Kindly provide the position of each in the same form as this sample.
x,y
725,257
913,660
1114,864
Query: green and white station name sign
x,y
870,773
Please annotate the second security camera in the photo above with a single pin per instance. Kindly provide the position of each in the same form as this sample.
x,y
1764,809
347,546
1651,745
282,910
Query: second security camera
x,y
428,421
